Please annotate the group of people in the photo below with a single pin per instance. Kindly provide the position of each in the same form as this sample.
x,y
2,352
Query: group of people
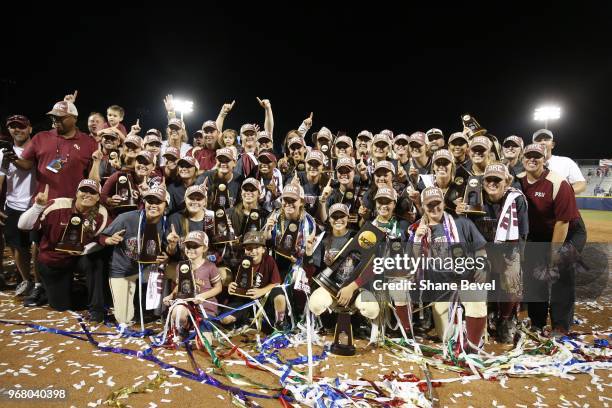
x,y
251,216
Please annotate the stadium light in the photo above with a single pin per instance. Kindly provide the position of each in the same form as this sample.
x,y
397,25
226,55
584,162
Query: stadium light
x,y
184,107
546,113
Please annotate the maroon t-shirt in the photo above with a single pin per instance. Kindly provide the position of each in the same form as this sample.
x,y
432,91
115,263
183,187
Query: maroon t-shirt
x,y
53,221
207,158
266,272
544,211
47,146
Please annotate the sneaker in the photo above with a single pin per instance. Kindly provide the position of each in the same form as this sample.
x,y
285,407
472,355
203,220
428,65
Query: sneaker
x,y
506,330
96,317
24,288
38,297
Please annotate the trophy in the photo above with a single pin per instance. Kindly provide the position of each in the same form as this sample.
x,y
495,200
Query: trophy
x,y
223,233
124,189
221,199
395,247
353,258
7,149
300,166
151,247
471,127
253,222
287,244
327,152
473,196
244,277
186,284
350,200
72,238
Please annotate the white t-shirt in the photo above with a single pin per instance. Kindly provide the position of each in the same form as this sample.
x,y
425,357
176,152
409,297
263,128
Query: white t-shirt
x,y
185,147
566,168
20,184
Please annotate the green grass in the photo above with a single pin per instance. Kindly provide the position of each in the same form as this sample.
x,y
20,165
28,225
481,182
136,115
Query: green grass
x,y
595,215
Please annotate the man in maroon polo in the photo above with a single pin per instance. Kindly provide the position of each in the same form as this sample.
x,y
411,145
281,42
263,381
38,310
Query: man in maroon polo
x,y
62,155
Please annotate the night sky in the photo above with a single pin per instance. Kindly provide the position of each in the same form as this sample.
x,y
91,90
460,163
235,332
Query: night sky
x,y
369,68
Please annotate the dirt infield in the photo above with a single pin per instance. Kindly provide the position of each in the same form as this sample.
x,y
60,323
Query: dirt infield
x,y
41,360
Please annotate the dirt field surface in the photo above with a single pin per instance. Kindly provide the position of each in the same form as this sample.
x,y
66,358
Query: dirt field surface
x,y
35,360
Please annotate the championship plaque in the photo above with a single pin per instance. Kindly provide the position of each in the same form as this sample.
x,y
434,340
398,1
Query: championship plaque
x,y
327,152
359,251
244,277
395,247
223,233
287,245
124,189
350,200
7,149
253,222
151,247
473,195
186,284
72,238
471,127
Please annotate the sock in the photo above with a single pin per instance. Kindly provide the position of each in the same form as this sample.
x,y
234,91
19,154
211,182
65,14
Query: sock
x,y
475,329
402,312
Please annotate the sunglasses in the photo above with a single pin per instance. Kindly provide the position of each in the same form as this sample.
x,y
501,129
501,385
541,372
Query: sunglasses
x,y
338,216
191,245
344,170
535,156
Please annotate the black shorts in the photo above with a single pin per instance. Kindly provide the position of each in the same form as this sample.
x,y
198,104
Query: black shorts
x,y
13,236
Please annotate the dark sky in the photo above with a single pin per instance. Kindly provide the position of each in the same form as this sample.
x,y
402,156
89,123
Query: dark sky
x,y
369,68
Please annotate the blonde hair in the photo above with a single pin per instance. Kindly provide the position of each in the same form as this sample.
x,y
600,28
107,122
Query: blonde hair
x,y
227,132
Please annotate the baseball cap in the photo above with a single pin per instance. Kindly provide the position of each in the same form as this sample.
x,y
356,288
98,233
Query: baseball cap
x,y
294,140
381,138
338,207
110,134
196,188
63,108
384,164
210,124
190,160
315,155
401,136
197,237
175,122
154,131
324,133
263,135
133,139
386,192
418,137
442,154
496,169
172,151
158,192
254,238
388,133
293,191
268,155
247,127
515,139
345,162
542,132
89,183
151,138
434,132
431,194
344,139
365,134
458,135
20,119
480,141
225,152
148,156
252,181
535,147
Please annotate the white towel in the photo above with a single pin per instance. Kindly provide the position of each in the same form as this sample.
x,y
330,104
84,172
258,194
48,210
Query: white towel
x,y
507,225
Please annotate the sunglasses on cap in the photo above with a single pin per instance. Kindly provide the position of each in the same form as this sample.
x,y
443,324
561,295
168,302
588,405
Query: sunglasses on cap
x,y
494,180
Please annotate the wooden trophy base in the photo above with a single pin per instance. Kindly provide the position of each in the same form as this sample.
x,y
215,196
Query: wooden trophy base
x,y
70,250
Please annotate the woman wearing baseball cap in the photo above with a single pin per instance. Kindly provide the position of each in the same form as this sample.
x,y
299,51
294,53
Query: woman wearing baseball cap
x,y
207,283
440,235
76,222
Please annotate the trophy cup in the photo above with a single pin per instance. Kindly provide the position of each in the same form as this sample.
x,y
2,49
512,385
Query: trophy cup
x,y
151,247
186,284
471,127
473,196
223,233
253,222
72,238
124,189
349,263
288,241
244,277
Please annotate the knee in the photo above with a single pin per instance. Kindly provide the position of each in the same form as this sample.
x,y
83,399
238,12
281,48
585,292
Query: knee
x,y
320,300
475,309
367,305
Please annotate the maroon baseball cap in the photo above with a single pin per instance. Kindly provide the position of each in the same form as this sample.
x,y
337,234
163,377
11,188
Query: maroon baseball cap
x,y
268,155
458,135
344,139
401,136
263,135
225,152
418,137
248,127
154,132
152,138
535,147
345,162
190,160
196,188
133,139
91,184
175,122
197,237
148,156
20,119
172,151
158,192
431,194
365,134
63,108
514,139
442,154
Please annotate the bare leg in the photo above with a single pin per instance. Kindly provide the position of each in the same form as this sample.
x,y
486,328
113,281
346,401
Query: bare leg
x,y
22,261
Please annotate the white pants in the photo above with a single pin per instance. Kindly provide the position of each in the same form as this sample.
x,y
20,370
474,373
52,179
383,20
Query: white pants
x,y
123,290
365,302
